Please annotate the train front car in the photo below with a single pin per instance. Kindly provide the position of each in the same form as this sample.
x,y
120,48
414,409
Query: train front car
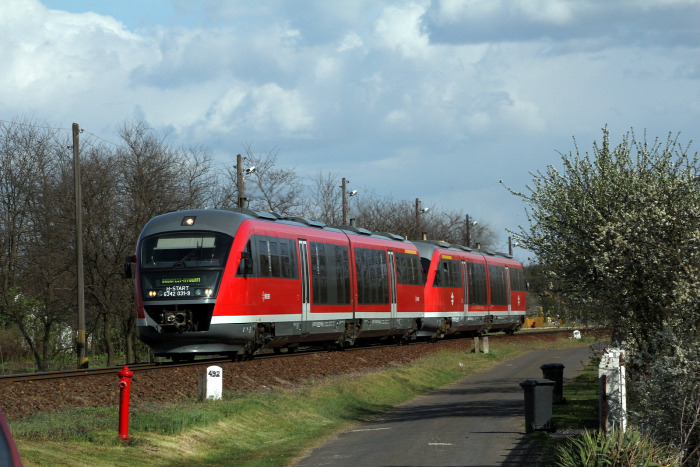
x,y
181,259
233,282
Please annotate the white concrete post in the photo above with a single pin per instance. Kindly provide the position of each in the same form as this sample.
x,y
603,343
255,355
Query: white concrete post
x,y
485,344
613,392
211,384
476,344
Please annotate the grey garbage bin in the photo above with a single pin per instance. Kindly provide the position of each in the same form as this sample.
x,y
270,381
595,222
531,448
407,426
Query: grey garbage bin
x,y
555,372
538,405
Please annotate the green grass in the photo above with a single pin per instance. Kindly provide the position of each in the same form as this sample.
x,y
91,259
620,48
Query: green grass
x,y
579,412
581,407
263,429
593,447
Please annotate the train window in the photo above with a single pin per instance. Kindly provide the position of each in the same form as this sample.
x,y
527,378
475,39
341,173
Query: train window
x,y
276,257
517,280
245,267
319,273
448,274
330,274
372,276
342,274
179,250
408,269
477,283
497,276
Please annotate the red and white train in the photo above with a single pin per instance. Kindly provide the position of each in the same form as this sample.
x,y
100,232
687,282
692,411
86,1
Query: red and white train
x,y
233,282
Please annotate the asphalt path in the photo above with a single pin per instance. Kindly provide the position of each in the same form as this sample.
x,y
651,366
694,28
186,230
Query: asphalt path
x,y
478,421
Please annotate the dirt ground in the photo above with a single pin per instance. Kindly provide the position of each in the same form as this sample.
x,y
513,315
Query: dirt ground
x,y
19,399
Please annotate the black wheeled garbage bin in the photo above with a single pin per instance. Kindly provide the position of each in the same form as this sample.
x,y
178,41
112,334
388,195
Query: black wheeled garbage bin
x,y
538,405
555,372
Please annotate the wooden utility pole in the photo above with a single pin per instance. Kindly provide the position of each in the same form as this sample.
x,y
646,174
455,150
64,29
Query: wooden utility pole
x,y
418,222
239,179
469,233
345,202
82,347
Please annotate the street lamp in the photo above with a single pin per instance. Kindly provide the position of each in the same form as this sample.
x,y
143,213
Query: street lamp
x,y
345,200
419,211
240,177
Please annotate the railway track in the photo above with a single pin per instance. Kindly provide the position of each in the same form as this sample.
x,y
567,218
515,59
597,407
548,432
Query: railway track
x,y
76,373
165,383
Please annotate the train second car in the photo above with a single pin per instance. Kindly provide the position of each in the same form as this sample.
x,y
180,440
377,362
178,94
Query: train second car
x,y
213,282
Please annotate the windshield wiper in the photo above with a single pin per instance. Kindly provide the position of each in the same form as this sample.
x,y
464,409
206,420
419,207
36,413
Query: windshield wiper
x,y
181,263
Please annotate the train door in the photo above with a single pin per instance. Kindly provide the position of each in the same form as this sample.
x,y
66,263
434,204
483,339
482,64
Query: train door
x,y
507,272
465,286
392,282
305,289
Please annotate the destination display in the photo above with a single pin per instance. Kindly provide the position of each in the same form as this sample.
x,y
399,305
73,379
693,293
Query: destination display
x,y
159,285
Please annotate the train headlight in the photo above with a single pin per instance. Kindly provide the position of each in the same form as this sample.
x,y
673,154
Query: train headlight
x,y
152,293
188,221
208,292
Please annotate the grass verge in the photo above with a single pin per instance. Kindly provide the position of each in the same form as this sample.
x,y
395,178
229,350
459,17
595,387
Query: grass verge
x,y
579,412
262,429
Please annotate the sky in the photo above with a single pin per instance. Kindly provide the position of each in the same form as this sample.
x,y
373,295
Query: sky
x,y
437,100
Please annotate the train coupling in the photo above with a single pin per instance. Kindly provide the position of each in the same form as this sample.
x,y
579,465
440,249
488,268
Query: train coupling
x,y
176,321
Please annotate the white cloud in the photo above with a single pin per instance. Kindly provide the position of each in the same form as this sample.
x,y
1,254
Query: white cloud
x,y
223,109
326,67
350,41
273,107
546,11
399,28
52,58
400,82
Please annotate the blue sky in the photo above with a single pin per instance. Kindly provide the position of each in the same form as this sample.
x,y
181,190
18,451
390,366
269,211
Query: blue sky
x,y
437,100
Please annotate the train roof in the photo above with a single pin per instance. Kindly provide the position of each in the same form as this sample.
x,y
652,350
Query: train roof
x,y
228,221
427,247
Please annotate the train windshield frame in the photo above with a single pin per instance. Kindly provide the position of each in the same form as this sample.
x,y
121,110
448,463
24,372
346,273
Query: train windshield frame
x,y
183,265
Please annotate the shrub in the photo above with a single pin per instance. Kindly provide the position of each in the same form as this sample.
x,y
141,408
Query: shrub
x,y
618,449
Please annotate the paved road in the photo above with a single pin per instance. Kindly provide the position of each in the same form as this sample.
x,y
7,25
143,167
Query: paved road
x,y
479,421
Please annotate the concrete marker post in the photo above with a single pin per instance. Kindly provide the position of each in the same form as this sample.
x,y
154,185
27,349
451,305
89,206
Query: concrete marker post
x,y
210,384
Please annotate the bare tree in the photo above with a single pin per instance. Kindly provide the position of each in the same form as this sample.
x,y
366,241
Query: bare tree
x,y
451,226
323,201
122,189
32,261
269,187
411,221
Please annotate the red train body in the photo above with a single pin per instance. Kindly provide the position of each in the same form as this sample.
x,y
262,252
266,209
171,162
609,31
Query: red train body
x,y
233,282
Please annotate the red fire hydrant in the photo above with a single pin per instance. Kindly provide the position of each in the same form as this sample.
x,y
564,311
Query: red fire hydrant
x,y
124,389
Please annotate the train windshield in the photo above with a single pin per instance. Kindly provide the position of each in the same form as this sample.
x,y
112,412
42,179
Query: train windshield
x,y
178,266
185,250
